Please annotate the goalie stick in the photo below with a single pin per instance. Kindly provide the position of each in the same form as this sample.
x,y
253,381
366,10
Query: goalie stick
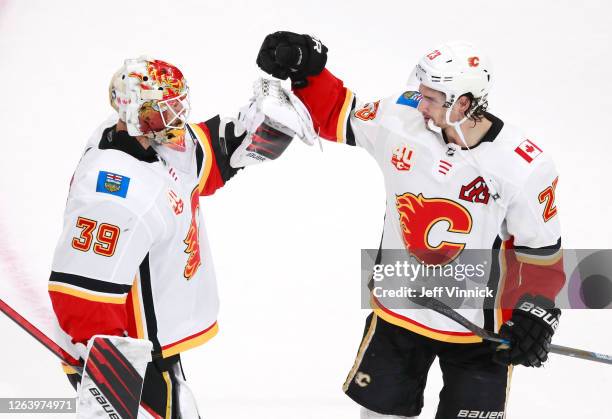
x,y
45,340
52,346
111,373
445,310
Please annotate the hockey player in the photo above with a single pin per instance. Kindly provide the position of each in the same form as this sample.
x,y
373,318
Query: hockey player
x,y
132,276
457,177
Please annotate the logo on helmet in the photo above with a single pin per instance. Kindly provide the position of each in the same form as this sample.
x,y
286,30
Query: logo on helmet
x,y
434,54
161,76
474,61
168,76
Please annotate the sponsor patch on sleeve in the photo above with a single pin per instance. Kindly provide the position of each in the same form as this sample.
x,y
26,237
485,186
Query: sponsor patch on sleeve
x,y
113,184
410,98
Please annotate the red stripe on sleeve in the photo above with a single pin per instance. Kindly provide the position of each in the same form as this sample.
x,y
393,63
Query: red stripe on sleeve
x,y
526,278
82,319
213,179
324,97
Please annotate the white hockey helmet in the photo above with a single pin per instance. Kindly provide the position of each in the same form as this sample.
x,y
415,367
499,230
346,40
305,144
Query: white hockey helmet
x,y
152,98
455,69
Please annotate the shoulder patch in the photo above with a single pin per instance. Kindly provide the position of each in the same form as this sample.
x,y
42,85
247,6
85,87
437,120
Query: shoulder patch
x,y
368,111
528,150
410,98
113,184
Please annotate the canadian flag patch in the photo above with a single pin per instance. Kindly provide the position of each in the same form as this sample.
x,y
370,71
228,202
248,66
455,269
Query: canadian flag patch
x,y
528,150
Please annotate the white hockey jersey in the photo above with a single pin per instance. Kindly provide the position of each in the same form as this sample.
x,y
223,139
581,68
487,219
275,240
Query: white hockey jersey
x,y
439,203
133,258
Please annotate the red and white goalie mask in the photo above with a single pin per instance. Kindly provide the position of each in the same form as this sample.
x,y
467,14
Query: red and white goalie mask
x,y
152,97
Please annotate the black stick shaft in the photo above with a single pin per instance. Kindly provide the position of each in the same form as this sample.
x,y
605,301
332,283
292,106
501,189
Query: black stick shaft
x,y
445,310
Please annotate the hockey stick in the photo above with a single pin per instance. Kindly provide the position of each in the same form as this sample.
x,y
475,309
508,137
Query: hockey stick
x,y
10,261
45,340
445,310
55,349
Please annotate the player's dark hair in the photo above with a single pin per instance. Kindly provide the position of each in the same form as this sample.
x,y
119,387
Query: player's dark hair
x,y
476,113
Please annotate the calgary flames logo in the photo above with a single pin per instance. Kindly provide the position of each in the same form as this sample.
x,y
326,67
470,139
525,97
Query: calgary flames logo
x,y
418,215
193,238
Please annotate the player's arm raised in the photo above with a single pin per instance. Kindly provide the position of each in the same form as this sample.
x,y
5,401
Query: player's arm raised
x,y
335,110
262,131
213,151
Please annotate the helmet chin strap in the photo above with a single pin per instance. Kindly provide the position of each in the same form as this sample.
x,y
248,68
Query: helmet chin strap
x,y
431,125
471,157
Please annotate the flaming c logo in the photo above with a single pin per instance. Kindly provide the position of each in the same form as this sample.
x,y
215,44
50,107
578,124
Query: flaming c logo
x,y
473,61
193,238
417,217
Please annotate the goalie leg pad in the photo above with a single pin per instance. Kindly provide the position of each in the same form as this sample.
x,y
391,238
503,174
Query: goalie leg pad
x,y
186,401
113,377
165,392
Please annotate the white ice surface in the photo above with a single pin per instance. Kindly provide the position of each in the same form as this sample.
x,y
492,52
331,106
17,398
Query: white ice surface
x,y
286,235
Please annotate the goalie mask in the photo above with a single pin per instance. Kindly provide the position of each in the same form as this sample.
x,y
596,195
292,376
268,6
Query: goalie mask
x,y
152,98
455,69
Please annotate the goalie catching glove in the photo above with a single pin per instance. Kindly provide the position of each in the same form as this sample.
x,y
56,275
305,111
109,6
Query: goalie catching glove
x,y
271,120
530,331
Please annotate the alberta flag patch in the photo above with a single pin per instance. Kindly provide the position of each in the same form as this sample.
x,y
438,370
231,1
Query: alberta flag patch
x,y
410,98
113,184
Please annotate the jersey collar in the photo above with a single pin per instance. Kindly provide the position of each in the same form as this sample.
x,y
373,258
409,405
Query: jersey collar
x,y
496,126
121,140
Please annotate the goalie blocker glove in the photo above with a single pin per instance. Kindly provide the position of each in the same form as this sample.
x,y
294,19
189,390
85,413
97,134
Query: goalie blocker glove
x,y
530,330
288,54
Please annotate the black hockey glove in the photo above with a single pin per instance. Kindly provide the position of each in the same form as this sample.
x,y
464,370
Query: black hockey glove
x,y
530,330
288,54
